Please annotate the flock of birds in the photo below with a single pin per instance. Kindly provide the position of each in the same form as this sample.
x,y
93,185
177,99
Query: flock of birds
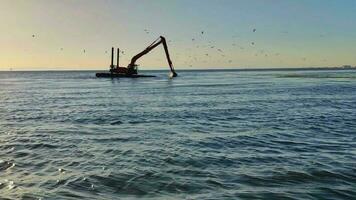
x,y
209,50
205,50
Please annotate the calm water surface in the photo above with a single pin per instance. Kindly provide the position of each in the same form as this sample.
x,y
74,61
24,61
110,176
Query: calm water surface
x,y
203,135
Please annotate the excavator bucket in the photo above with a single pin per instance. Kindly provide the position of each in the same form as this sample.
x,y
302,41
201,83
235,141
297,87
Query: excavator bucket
x,y
173,74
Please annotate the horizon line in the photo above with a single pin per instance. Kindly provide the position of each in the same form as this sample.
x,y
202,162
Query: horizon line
x,y
195,69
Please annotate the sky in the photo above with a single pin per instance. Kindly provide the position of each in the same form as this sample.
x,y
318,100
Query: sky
x,y
202,34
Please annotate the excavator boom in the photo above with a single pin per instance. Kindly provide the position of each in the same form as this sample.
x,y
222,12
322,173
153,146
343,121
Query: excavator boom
x,y
132,66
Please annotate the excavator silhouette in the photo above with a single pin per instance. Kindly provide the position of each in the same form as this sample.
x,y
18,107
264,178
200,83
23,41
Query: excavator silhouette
x,y
131,70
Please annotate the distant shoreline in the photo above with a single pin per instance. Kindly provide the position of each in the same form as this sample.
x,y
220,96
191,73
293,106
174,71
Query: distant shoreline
x,y
227,69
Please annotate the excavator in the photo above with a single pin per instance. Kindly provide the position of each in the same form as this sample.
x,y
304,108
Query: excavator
x,y
131,70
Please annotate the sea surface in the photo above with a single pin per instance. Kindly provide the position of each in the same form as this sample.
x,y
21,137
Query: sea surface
x,y
204,135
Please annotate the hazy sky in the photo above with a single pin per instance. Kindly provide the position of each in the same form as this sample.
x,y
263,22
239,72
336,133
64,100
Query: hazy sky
x,y
289,33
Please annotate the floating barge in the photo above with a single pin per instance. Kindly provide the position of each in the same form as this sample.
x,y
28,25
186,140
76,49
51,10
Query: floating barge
x,y
116,75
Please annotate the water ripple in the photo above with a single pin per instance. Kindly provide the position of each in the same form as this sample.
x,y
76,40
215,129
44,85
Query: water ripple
x,y
250,135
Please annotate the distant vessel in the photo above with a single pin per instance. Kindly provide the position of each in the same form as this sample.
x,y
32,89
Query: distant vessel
x,y
348,67
131,70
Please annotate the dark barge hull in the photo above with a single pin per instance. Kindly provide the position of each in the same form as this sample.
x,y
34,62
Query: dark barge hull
x,y
115,75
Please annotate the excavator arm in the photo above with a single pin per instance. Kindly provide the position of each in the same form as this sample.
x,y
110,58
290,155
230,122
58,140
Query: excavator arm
x,y
161,40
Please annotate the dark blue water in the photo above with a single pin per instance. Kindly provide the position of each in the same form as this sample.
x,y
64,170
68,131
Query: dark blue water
x,y
203,135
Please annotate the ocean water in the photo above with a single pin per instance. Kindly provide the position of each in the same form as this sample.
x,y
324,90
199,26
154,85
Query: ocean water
x,y
203,135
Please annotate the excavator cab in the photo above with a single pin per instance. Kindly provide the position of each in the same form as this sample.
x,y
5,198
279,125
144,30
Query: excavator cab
x,y
132,69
